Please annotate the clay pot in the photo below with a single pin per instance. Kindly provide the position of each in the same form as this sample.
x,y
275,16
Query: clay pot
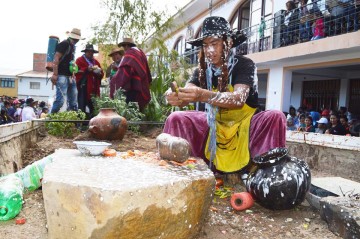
x,y
280,181
108,125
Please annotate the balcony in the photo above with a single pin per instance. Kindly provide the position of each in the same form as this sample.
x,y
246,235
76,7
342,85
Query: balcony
x,y
308,24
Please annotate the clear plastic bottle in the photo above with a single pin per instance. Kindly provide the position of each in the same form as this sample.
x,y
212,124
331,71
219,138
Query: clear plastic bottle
x,y
11,196
32,175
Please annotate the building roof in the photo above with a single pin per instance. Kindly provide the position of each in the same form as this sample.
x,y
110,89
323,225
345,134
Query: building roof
x,y
8,72
35,74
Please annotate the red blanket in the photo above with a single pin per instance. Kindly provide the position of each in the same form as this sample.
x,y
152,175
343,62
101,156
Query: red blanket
x,y
134,77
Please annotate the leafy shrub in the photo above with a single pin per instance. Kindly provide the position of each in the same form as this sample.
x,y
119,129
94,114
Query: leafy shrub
x,y
64,129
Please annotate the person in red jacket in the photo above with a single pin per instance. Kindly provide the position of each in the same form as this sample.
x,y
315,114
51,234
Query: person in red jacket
x,y
133,75
88,79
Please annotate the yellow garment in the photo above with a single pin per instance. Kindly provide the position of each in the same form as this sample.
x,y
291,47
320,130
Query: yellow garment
x,y
232,138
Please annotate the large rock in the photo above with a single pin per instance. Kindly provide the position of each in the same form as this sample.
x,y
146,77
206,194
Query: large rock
x,y
342,215
97,197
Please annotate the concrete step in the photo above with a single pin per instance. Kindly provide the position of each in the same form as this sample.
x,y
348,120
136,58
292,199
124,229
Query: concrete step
x,y
338,200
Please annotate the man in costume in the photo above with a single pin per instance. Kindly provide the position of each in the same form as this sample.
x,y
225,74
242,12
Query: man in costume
x,y
133,75
88,79
229,132
63,72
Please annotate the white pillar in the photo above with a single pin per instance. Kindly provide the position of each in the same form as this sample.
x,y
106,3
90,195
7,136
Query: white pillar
x,y
343,93
279,89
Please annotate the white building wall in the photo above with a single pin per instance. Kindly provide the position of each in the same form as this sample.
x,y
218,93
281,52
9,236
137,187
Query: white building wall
x,y
225,10
43,93
295,99
262,85
343,94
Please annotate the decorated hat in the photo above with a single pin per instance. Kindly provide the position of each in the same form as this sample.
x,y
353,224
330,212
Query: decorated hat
x,y
127,41
75,33
119,50
89,47
218,26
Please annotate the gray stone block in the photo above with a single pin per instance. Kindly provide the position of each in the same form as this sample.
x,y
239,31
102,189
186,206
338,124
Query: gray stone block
x,y
98,197
342,215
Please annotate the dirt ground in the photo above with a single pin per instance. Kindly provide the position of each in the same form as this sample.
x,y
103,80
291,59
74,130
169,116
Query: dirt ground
x,y
222,221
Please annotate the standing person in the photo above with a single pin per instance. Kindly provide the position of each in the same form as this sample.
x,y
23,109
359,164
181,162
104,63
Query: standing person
x,y
302,124
304,26
291,21
292,114
9,110
345,122
133,75
44,112
88,79
318,26
28,112
290,124
322,125
309,127
336,128
229,133
63,70
116,54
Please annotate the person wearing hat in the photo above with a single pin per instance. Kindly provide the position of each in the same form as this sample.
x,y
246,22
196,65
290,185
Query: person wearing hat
x,y
133,75
63,69
229,132
88,79
116,54
321,125
28,112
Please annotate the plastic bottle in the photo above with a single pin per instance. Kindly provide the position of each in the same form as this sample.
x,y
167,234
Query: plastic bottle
x,y
32,175
11,196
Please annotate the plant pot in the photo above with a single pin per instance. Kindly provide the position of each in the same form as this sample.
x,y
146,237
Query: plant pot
x,y
280,181
108,125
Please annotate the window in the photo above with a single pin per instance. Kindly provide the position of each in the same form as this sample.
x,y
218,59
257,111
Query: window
x,y
354,102
7,83
241,18
260,21
35,85
180,45
321,94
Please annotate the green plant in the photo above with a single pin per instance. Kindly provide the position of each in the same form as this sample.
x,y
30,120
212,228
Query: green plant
x,y
64,129
149,28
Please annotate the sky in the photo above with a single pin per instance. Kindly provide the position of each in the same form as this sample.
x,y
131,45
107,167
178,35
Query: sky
x,y
27,24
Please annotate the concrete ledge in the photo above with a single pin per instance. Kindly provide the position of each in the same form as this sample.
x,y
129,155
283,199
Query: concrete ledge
x,y
99,197
326,140
14,139
10,131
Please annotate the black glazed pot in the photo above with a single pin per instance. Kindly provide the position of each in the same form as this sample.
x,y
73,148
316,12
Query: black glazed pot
x,y
280,181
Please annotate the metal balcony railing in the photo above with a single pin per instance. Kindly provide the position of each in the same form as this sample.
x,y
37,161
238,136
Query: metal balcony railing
x,y
316,20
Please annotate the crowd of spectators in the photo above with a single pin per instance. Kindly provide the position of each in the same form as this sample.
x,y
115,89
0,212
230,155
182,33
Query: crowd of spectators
x,y
336,122
312,20
17,110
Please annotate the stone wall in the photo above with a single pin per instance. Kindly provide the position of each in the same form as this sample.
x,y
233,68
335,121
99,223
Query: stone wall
x,y
328,154
14,139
